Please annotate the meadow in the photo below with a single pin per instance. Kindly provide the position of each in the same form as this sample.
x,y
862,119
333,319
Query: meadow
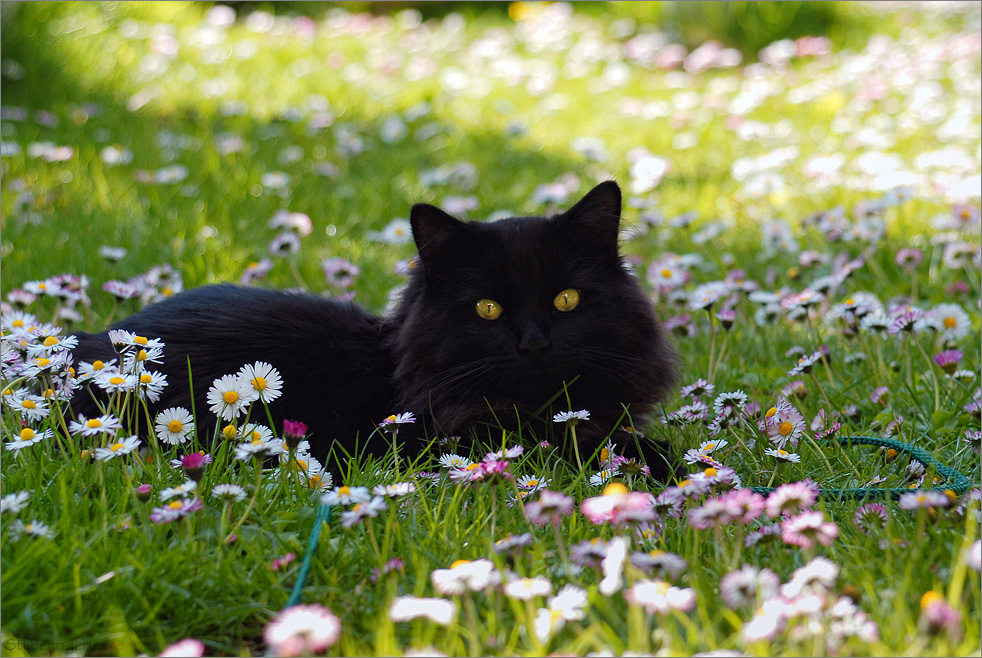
x,y
805,217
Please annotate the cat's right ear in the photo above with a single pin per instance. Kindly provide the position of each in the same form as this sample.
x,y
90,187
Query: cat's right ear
x,y
435,233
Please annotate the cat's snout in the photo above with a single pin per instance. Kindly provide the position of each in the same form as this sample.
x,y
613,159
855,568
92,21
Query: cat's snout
x,y
532,338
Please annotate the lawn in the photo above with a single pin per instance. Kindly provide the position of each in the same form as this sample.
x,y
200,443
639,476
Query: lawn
x,y
805,218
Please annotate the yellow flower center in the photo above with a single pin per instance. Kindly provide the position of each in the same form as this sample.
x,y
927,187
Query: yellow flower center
x,y
655,552
27,434
175,505
532,483
950,323
357,507
785,428
344,491
459,563
604,454
666,273
116,447
230,431
684,483
48,393
471,467
710,472
259,384
18,323
50,341
771,412
42,362
930,597
230,397
391,419
301,465
98,365
167,291
175,426
615,489
710,447
257,436
141,355
140,340
850,302
314,481
30,404
145,379
94,423
116,380
782,453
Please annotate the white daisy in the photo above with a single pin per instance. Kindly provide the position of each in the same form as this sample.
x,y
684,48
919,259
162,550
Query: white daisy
x,y
182,490
450,460
34,529
525,589
106,424
574,416
14,503
229,396
346,496
231,493
952,321
174,425
115,382
136,361
264,379
151,384
30,407
28,437
783,455
118,448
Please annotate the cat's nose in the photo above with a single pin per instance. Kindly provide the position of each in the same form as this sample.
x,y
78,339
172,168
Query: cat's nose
x,y
532,339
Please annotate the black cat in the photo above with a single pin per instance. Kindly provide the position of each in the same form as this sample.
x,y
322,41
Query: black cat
x,y
498,320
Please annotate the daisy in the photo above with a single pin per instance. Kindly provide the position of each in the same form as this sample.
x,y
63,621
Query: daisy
x,y
600,478
791,498
870,516
14,503
174,425
504,453
118,448
106,424
182,490
340,273
398,419
150,385
346,496
465,575
818,576
748,587
450,460
807,528
51,343
513,542
397,490
783,455
88,370
659,563
709,447
129,341
704,296
175,510
929,499
876,322
28,437
531,483
937,615
743,504
730,402
905,320
569,604
618,506
258,448
136,361
188,648
571,417
33,529
230,493
525,589
952,320
264,379
302,630
667,274
698,389
361,510
407,608
805,364
657,596
30,407
785,425
112,381
229,396
550,508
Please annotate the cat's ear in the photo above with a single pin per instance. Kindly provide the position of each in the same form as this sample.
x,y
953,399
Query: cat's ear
x,y
595,219
435,232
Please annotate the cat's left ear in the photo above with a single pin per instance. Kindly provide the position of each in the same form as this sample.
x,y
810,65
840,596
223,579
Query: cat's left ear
x,y
595,219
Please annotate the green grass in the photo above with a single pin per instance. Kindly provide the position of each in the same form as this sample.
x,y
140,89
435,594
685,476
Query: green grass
x,y
111,590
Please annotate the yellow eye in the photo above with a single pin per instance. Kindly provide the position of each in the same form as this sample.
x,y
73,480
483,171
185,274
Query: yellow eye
x,y
567,299
488,309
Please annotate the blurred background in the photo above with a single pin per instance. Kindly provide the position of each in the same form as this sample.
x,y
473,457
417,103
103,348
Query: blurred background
x,y
257,141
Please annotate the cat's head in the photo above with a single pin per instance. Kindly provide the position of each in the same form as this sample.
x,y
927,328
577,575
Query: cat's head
x,y
511,313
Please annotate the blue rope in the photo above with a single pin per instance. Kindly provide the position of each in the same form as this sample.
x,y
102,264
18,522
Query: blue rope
x,y
323,516
953,479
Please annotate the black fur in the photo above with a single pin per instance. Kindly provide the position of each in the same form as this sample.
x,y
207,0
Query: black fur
x,y
344,370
